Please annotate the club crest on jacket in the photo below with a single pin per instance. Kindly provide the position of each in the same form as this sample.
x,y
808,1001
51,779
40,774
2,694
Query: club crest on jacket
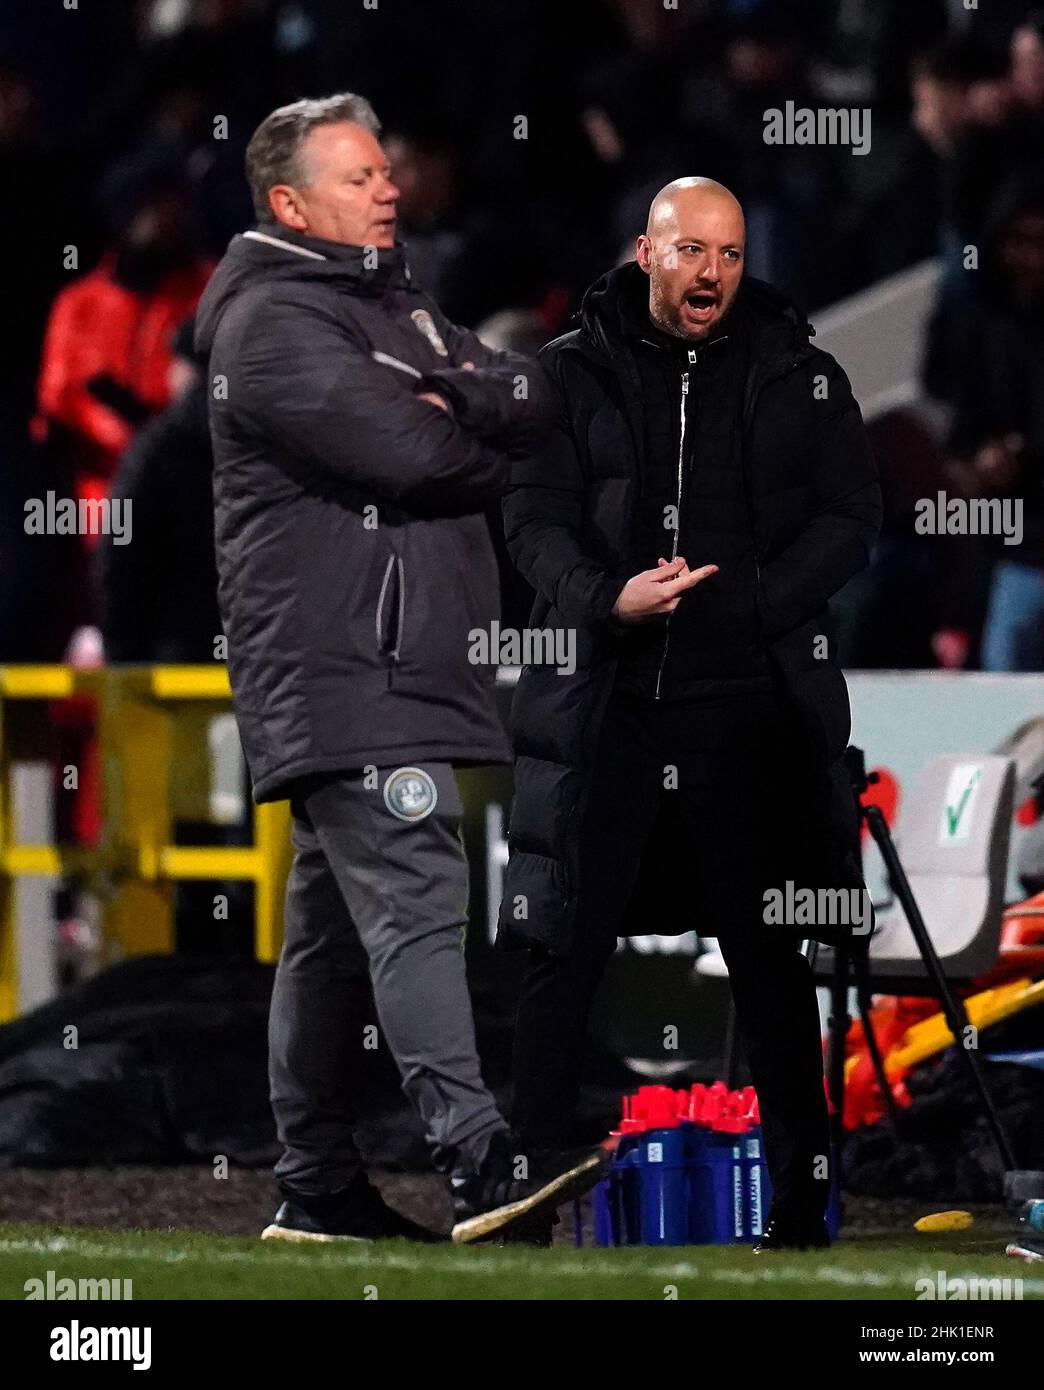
x,y
426,325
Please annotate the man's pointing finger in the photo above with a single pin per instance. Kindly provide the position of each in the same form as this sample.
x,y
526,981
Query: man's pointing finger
x,y
687,581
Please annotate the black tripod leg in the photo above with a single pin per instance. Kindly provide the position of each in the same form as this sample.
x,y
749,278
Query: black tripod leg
x,y
837,1033
953,1007
863,995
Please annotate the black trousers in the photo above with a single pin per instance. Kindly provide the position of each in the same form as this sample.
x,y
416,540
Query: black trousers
x,y
734,772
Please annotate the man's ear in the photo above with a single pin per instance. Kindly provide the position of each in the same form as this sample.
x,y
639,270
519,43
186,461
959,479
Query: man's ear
x,y
286,207
643,253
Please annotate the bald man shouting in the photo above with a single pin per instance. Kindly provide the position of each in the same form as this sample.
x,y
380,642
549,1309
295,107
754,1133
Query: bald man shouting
x,y
707,489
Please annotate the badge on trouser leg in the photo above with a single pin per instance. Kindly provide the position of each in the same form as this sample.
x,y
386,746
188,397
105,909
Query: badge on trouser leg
x,y
410,793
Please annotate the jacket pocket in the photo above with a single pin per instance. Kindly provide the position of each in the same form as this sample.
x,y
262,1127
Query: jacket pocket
x,y
389,620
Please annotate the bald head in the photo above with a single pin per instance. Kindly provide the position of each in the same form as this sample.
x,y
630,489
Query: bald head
x,y
684,198
692,251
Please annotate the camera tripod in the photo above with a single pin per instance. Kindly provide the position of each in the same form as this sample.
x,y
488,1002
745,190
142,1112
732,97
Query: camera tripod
x,y
851,963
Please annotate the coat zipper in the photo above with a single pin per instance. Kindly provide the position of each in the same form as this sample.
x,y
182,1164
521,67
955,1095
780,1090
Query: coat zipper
x,y
677,527
394,563
401,616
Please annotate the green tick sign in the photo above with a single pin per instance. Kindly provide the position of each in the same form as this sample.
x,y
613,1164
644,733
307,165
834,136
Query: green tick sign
x,y
959,804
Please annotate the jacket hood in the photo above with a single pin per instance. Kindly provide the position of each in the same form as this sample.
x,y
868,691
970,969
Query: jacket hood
x,y
604,317
266,254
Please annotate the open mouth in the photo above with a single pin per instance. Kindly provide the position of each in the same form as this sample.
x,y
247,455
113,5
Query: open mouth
x,y
701,304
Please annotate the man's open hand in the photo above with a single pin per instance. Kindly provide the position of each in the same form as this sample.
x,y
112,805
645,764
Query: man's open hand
x,y
657,592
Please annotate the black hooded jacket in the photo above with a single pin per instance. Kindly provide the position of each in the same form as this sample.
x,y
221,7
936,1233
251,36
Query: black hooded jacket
x,y
160,594
353,556
692,501
573,527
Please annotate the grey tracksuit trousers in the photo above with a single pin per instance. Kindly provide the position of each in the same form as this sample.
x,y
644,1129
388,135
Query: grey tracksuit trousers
x,y
381,890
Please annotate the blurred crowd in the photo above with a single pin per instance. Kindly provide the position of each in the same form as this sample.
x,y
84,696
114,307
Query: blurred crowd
x,y
527,140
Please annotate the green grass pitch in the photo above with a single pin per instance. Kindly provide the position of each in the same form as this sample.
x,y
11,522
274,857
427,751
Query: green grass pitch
x,y
180,1264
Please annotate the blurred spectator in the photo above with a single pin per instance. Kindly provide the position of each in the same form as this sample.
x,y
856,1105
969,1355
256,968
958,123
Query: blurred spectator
x,y
920,601
1027,65
107,352
868,50
633,111
787,191
985,359
37,179
159,592
205,74
942,84
426,170
40,178
455,242
960,102
982,113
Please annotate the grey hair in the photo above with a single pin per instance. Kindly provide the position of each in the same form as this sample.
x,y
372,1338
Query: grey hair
x,y
273,155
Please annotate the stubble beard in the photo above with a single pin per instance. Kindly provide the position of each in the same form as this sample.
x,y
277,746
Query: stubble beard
x,y
665,318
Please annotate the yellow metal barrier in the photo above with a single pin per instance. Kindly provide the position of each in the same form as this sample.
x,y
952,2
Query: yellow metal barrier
x,y
152,723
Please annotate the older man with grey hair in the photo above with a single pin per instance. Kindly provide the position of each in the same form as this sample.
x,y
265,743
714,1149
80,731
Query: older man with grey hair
x,y
358,437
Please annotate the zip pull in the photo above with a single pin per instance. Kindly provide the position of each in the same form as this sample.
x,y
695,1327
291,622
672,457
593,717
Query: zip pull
x,y
677,529
693,355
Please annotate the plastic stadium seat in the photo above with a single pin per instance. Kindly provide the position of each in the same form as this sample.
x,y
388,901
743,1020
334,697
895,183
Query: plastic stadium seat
x,y
952,840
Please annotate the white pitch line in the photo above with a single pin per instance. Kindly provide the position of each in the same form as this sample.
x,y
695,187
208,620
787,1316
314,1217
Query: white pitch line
x,y
328,1259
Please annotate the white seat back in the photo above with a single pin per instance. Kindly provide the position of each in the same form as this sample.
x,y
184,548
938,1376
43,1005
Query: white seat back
x,y
953,839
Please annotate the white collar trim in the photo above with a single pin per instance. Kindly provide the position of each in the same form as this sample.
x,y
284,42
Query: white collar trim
x,y
286,245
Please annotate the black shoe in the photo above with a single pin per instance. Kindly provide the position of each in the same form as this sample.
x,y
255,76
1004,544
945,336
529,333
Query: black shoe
x,y
493,1198
537,1231
356,1212
801,1233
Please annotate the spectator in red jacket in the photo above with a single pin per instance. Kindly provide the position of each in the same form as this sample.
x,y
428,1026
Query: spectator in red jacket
x,y
108,347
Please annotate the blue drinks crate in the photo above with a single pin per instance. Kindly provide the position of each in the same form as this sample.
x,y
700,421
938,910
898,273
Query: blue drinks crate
x,y
687,1183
